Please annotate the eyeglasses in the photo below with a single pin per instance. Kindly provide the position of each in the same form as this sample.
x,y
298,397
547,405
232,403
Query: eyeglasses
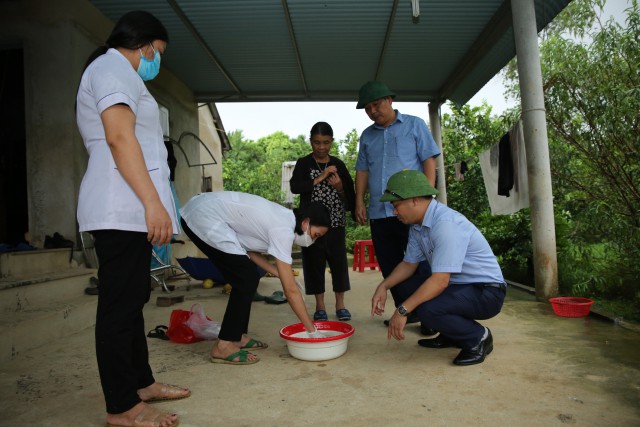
x,y
393,194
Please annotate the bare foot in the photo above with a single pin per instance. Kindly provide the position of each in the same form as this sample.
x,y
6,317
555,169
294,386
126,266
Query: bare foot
x,y
223,349
158,392
247,343
243,341
142,415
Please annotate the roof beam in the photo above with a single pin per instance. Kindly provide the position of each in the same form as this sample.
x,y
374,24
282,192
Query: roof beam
x,y
292,34
300,96
385,42
187,23
493,31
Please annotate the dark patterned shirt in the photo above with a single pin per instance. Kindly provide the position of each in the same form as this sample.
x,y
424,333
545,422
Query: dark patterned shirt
x,y
328,196
301,182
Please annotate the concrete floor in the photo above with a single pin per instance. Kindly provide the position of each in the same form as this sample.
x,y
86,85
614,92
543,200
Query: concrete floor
x,y
544,371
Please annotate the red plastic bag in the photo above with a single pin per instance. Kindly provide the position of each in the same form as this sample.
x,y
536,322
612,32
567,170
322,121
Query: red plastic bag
x,y
178,331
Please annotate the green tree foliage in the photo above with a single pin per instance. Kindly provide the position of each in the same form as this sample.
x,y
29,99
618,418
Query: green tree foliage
x,y
349,155
592,89
466,132
349,150
591,80
256,167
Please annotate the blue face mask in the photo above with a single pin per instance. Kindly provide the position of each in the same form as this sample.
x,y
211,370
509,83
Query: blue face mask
x,y
148,69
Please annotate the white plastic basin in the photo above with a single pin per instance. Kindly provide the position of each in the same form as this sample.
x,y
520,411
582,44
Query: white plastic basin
x,y
317,349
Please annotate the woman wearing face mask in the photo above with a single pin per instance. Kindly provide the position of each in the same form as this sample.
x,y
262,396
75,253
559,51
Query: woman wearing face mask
x,y
233,230
126,203
323,178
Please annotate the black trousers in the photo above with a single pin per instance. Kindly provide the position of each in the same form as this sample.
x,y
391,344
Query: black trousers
x,y
328,249
124,259
242,274
454,313
390,237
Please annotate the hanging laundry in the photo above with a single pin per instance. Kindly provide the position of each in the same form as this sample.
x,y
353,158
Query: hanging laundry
x,y
505,166
516,182
463,168
459,175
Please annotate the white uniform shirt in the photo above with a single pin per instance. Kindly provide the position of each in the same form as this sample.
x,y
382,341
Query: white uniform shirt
x,y
235,223
106,201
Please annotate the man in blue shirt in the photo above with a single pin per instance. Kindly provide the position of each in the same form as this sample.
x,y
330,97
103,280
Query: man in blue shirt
x,y
394,142
465,284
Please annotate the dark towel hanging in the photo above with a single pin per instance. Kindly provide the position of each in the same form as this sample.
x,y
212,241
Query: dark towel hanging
x,y
505,166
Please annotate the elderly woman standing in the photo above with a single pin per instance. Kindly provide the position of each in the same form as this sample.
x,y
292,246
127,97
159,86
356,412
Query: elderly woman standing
x,y
126,203
320,177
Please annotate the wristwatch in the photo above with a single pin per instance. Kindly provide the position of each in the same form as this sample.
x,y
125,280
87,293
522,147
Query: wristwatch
x,y
402,311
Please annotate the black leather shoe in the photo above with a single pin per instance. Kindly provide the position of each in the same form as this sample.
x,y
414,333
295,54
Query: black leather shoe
x,y
93,290
438,342
411,318
427,331
476,354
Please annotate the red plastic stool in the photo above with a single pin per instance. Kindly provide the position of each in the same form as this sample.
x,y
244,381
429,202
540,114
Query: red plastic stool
x,y
360,250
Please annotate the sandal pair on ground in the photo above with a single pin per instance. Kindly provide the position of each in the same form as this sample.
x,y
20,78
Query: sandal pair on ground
x,y
152,417
242,354
342,314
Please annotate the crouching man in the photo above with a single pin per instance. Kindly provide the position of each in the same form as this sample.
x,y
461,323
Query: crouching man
x,y
466,283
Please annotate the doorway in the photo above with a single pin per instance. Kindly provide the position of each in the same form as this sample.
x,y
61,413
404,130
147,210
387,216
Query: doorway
x,y
14,214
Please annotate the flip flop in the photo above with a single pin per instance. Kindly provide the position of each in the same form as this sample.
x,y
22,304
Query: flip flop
x,y
343,314
321,316
254,345
276,298
169,392
258,297
159,332
242,355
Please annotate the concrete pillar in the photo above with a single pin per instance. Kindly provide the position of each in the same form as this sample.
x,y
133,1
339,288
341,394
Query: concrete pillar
x,y
537,148
436,131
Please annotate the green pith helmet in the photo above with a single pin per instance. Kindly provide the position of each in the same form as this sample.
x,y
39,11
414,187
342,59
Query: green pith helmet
x,y
371,91
407,184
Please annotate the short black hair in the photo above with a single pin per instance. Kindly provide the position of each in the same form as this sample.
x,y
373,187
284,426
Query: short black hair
x,y
321,128
316,212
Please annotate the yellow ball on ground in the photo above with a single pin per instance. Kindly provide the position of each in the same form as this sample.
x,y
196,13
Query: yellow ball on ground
x,y
207,284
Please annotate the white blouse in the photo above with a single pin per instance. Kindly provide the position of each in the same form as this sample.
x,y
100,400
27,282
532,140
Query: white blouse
x,y
106,201
235,223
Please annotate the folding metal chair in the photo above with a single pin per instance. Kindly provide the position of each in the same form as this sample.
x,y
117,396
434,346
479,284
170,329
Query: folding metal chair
x,y
89,249
158,273
159,276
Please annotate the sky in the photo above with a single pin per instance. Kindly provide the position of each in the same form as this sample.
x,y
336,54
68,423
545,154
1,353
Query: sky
x,y
259,119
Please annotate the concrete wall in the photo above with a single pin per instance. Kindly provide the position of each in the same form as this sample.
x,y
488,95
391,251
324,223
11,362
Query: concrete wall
x,y
57,37
209,135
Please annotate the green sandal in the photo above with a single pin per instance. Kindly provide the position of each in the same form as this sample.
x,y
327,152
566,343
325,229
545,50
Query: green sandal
x,y
255,345
242,355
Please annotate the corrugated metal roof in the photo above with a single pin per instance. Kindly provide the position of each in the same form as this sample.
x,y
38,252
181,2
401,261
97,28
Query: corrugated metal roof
x,y
308,50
